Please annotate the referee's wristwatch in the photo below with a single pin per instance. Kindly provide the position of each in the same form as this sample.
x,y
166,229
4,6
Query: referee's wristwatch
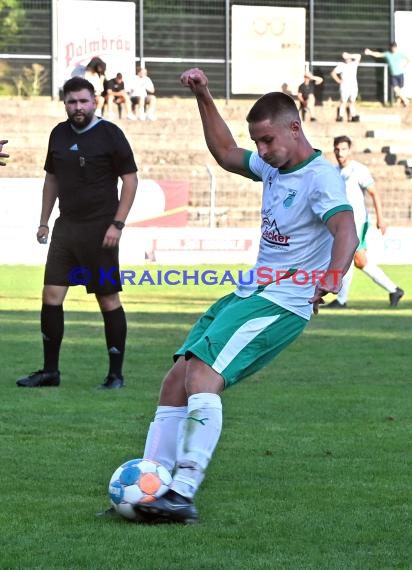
x,y
118,224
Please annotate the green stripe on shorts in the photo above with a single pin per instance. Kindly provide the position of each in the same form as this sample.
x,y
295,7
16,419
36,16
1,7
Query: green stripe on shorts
x,y
362,237
237,336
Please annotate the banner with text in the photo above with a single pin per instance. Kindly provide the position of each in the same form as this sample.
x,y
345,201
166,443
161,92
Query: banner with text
x,y
86,28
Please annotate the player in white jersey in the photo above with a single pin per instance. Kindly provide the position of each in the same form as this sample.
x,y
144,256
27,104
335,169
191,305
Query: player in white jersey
x,y
358,181
308,242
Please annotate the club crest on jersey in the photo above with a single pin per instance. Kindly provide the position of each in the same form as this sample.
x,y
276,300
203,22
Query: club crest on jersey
x,y
288,201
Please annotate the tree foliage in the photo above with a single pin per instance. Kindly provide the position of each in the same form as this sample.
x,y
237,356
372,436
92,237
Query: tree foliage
x,y
11,19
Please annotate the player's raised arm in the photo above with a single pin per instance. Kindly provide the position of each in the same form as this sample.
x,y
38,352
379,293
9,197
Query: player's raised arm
x,y
374,53
218,137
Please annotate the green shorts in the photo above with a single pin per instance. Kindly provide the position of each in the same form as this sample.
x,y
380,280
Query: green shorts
x,y
237,336
362,236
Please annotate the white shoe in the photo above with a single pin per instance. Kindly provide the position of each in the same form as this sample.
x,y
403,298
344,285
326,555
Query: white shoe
x,y
98,112
131,117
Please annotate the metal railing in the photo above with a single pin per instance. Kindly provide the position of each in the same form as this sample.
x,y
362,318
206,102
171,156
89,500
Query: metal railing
x,y
223,62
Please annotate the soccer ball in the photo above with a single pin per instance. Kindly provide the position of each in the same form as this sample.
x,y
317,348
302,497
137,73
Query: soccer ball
x,y
137,481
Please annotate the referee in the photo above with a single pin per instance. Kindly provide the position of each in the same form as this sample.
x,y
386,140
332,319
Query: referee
x,y
86,157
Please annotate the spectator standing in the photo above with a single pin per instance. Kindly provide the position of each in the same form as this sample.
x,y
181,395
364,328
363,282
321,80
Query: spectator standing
x,y
397,61
345,75
142,95
86,157
306,94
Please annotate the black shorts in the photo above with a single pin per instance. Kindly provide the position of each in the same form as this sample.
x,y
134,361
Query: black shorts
x,y
76,257
398,80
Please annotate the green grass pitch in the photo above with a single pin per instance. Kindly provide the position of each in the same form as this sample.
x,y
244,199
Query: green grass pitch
x,y
312,472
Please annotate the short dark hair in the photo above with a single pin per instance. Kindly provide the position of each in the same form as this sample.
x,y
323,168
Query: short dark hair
x,y
77,84
393,44
273,106
342,139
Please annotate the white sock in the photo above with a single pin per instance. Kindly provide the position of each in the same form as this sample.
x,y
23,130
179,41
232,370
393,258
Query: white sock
x,y
202,429
380,278
343,294
162,436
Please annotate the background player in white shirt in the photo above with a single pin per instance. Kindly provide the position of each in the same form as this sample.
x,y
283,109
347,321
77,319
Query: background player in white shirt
x,y
358,180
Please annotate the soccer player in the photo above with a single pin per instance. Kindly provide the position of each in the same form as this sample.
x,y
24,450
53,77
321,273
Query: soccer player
x,y
3,154
307,227
358,180
86,157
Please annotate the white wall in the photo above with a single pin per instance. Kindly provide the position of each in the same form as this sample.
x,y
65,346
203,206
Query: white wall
x,y
21,203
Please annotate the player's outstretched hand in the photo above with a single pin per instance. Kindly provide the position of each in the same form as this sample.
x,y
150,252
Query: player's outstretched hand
x,y
330,284
317,298
382,226
194,78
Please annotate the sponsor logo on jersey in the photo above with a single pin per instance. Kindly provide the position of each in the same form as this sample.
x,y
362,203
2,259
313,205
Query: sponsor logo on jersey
x,y
271,233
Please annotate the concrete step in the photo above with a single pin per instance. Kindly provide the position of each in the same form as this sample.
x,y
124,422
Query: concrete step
x,y
381,118
403,134
399,148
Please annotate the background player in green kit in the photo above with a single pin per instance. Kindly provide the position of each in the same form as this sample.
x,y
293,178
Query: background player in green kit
x,y
307,225
85,159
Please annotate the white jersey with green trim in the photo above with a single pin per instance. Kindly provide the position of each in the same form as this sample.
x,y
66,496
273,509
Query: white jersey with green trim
x,y
357,178
295,244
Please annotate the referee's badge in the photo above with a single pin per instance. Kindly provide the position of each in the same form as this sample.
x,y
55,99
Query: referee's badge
x,y
288,201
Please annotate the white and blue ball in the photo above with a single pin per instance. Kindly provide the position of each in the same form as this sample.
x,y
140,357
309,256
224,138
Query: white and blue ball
x,y
137,481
